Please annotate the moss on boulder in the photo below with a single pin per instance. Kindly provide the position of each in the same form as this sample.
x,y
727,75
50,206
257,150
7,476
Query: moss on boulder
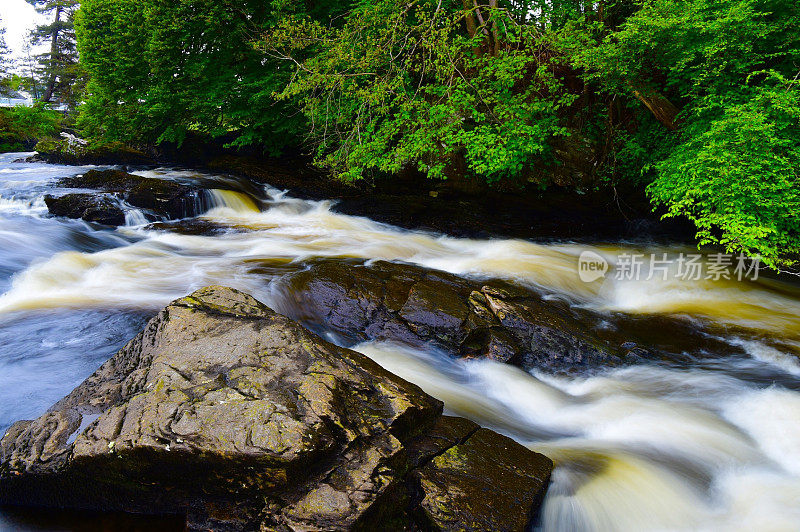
x,y
240,419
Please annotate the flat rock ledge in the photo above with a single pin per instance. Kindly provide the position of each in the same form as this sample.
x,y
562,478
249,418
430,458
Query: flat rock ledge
x,y
160,198
241,419
480,318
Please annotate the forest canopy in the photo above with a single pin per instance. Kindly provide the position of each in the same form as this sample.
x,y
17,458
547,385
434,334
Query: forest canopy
x,y
695,100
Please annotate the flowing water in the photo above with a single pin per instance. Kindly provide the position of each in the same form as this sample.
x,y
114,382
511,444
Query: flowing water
x,y
708,444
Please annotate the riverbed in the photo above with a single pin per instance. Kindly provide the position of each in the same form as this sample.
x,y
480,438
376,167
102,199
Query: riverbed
x,y
699,441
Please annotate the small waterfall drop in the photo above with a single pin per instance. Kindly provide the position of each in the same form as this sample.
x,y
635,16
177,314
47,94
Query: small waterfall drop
x,y
221,202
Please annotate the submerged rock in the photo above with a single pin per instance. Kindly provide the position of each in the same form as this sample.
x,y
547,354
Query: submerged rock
x,y
413,305
89,207
241,419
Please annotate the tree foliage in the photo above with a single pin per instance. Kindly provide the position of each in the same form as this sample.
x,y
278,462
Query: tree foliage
x,y
694,99
21,127
5,53
58,69
731,66
161,69
443,89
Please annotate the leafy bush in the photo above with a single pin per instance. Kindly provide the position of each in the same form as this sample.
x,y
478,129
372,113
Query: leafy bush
x,y
20,127
737,176
424,92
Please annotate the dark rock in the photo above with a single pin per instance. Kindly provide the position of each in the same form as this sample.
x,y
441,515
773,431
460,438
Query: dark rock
x,y
241,419
191,226
457,496
491,319
89,207
554,215
162,196
165,198
413,305
62,151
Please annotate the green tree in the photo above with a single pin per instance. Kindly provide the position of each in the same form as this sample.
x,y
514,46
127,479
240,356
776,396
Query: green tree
x,y
5,53
163,69
59,67
729,66
27,64
448,88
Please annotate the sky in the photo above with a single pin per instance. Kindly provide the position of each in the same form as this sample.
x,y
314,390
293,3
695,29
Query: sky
x,y
18,17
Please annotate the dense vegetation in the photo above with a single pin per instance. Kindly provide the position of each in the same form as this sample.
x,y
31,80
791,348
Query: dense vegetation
x,y
21,127
695,100
160,69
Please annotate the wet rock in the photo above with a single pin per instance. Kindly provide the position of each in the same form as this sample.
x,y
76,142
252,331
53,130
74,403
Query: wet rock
x,y
457,496
413,305
89,207
241,419
191,226
164,198
161,196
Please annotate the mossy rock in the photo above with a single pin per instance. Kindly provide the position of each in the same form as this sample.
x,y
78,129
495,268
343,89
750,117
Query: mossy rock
x,y
61,151
241,419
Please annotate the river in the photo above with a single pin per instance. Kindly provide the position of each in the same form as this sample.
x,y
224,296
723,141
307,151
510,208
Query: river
x,y
701,442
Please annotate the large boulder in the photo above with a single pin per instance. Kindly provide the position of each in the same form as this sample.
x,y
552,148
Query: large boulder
x,y
493,319
241,419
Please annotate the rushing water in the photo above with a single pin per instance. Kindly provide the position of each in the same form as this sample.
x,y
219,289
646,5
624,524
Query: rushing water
x,y
713,444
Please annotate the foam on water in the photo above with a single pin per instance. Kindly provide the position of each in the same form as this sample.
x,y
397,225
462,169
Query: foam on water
x,y
631,456
300,230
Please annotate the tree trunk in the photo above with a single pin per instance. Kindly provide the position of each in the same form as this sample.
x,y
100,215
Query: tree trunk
x,y
51,77
658,104
472,26
495,33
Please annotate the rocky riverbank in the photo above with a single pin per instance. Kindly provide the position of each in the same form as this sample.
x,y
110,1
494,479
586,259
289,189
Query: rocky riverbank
x,y
455,207
241,419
